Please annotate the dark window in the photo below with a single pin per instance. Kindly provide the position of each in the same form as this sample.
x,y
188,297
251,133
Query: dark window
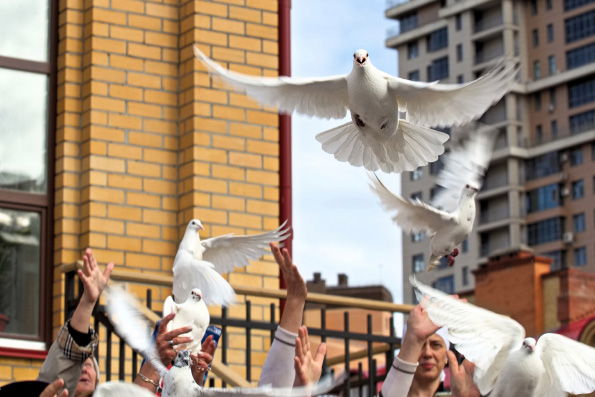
x,y
27,118
572,4
445,284
580,26
535,35
543,198
552,98
413,75
536,70
458,22
443,263
459,52
436,166
551,61
545,231
417,237
438,40
408,22
540,166
418,263
438,69
460,79
554,128
416,174
581,93
548,4
550,33
580,56
534,9
576,156
416,196
578,189
538,101
582,122
465,246
558,257
578,222
580,256
539,133
465,272
412,50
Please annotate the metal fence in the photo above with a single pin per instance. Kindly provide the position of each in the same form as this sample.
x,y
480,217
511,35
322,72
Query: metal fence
x,y
359,382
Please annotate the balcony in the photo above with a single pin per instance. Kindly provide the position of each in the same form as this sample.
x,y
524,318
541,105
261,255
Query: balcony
x,y
487,56
486,24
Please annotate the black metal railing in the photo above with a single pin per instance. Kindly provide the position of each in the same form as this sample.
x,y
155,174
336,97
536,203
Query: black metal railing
x,y
358,383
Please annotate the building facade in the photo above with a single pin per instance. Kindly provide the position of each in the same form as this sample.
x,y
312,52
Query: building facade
x,y
112,136
538,191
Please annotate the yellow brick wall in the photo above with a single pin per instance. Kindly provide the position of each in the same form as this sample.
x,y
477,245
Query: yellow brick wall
x,y
145,142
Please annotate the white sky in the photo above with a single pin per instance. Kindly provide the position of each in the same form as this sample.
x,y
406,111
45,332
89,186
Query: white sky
x,y
339,226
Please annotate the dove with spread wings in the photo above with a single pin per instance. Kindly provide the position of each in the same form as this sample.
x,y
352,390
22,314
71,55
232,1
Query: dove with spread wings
x,y
376,138
200,264
506,363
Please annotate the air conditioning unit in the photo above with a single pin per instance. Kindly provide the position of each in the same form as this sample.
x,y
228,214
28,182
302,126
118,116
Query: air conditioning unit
x,y
563,157
568,237
563,176
551,108
564,192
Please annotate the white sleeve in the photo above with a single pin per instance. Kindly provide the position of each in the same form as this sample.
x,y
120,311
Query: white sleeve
x,y
278,369
399,379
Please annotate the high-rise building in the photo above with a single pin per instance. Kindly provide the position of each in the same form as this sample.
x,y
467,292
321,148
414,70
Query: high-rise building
x,y
538,192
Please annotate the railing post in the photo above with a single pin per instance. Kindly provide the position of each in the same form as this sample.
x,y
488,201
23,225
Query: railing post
x,y
347,364
371,371
248,342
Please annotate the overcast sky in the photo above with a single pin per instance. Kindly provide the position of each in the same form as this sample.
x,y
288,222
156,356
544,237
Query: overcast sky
x,y
339,226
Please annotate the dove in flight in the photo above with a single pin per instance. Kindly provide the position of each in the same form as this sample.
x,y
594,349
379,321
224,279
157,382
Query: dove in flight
x,y
448,229
193,312
199,264
465,163
506,363
376,138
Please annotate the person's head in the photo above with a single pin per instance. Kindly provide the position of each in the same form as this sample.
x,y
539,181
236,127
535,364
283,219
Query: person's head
x,y
432,358
89,378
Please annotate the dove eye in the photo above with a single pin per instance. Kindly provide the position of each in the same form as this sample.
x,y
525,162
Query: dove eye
x,y
467,186
366,54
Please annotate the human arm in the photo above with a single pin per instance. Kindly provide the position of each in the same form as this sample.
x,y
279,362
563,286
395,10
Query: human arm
x,y
461,377
307,368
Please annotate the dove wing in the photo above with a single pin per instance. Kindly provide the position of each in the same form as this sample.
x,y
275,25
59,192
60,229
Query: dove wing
x,y
569,366
324,97
119,389
229,251
434,104
465,164
412,216
132,326
483,337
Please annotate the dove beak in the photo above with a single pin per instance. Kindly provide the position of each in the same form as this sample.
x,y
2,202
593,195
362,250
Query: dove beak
x,y
200,227
360,61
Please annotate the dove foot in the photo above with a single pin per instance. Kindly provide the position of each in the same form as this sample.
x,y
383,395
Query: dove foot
x,y
450,260
359,122
455,252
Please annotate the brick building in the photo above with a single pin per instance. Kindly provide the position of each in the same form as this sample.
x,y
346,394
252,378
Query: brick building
x,y
131,140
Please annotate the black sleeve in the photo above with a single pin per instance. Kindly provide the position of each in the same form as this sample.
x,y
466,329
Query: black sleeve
x,y
80,338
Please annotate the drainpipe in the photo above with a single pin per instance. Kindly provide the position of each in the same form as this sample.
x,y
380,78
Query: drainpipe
x,y
285,203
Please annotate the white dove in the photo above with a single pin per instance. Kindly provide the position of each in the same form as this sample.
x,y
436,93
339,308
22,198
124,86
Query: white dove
x,y
465,163
192,313
199,264
376,138
506,363
448,229
135,329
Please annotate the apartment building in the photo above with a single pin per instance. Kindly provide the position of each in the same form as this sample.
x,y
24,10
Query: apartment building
x,y
538,192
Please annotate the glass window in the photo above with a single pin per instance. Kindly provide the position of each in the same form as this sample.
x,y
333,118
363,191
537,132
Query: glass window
x,y
536,70
436,166
580,56
534,9
540,166
551,60
543,198
408,22
550,33
417,173
460,79
459,52
580,26
552,98
26,149
539,133
582,122
554,129
417,196
465,273
578,189
537,101
580,256
438,69
582,92
445,284
535,35
438,40
545,231
548,4
572,4
558,257
578,222
417,237
465,247
576,156
458,22
412,50
413,75
418,263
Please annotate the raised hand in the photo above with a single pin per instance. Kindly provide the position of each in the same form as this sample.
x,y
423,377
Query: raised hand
x,y
461,377
307,368
93,279
166,342
52,389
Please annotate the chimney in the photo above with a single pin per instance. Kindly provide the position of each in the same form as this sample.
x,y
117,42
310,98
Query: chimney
x,y
342,280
